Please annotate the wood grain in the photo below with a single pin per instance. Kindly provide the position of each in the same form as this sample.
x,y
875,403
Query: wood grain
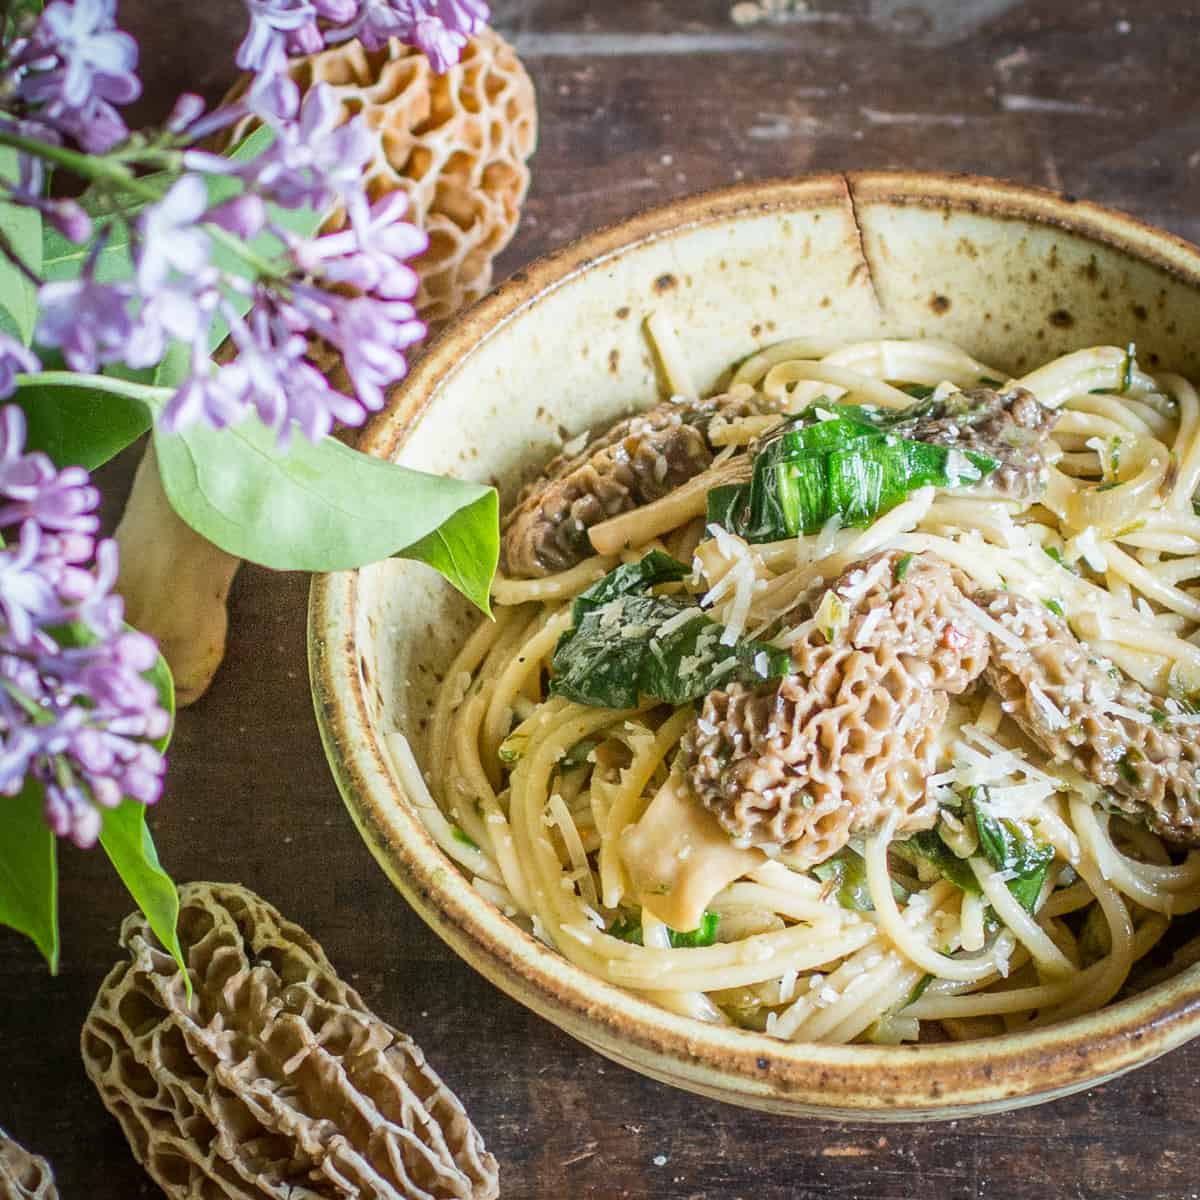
x,y
640,101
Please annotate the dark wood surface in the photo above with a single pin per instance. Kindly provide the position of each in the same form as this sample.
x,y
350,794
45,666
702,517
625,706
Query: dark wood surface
x,y
640,101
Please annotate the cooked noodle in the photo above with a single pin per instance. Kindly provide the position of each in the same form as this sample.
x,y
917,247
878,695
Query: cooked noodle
x,y
535,794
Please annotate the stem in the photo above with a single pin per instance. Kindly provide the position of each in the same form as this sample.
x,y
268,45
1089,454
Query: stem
x,y
88,166
147,393
236,246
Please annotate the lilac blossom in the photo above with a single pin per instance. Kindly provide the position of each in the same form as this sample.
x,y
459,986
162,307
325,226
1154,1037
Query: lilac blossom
x,y
75,68
15,359
76,714
90,322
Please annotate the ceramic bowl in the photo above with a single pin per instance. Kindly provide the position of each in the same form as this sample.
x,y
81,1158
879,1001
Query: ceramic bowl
x,y
1015,275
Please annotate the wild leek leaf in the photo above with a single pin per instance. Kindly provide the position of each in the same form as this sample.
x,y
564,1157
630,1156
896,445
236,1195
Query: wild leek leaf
x,y
325,507
841,461
846,875
29,873
629,929
21,227
659,646
1008,848
629,579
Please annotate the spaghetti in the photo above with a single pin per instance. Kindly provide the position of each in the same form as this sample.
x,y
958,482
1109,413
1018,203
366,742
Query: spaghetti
x,y
560,811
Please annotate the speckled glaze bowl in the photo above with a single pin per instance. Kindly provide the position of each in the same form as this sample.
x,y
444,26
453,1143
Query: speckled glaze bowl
x,y
1013,274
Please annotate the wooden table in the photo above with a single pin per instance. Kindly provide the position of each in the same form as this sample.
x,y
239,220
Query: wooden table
x,y
640,101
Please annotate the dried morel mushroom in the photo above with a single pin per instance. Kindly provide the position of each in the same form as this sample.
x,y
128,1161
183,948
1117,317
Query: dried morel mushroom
x,y
24,1176
456,144
276,1080
804,763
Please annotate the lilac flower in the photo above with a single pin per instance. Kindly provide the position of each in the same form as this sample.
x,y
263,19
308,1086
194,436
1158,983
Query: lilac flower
x,y
75,711
89,321
75,67
15,359
271,21
169,234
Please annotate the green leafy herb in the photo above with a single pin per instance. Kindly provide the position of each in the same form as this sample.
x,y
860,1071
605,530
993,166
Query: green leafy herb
x,y
658,646
929,845
1126,765
1009,849
630,579
841,460
902,568
845,875
629,929
577,755
460,836
1127,368
918,990
1055,606
512,748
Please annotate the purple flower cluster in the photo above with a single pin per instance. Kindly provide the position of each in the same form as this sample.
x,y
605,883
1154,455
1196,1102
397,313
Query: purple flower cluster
x,y
76,713
72,71
352,289
439,28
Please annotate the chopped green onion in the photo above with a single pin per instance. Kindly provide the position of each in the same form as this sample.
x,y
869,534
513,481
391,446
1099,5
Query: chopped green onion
x,y
459,836
629,929
1055,606
902,567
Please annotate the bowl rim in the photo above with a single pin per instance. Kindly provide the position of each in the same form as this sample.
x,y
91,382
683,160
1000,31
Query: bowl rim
x,y
937,1080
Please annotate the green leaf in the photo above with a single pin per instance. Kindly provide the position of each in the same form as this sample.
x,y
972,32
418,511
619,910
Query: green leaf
x,y
22,226
130,848
629,929
29,872
126,840
629,579
79,426
325,507
623,646
846,873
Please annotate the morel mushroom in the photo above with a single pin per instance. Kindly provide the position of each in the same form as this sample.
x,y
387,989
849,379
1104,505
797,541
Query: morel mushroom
x,y
275,1081
636,461
829,751
1082,710
1011,427
24,1176
457,145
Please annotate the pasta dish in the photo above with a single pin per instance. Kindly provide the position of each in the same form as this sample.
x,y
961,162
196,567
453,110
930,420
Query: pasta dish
x,y
858,701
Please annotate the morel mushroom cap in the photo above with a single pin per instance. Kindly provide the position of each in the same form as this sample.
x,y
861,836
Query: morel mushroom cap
x,y
24,1176
1083,710
639,459
455,143
276,1080
829,751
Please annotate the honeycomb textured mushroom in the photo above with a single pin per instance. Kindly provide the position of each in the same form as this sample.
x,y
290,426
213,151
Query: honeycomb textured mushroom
x,y
24,1176
830,751
276,1081
1084,711
636,461
457,145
